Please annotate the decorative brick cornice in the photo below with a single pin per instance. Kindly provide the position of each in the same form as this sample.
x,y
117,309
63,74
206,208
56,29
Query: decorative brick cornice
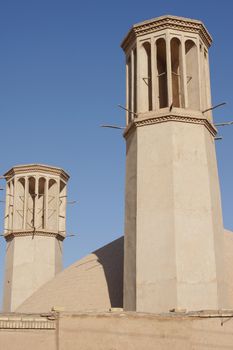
x,y
36,168
22,233
15,321
167,22
169,118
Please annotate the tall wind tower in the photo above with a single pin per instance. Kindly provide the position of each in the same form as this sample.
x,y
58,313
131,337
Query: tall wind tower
x,y
173,218
35,226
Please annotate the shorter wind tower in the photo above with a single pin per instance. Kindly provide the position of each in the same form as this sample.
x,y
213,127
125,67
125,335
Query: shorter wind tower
x,y
173,255
35,226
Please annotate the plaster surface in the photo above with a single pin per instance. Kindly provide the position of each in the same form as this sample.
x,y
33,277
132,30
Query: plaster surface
x,y
178,227
101,273
26,272
144,331
117,331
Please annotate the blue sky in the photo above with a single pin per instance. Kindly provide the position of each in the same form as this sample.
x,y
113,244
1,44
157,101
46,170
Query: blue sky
x,y
62,75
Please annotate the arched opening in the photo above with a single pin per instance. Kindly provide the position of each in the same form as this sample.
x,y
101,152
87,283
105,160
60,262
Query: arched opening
x,y
135,80
146,77
11,203
19,204
162,73
192,74
207,83
52,205
41,203
176,67
7,212
31,203
8,222
129,90
62,207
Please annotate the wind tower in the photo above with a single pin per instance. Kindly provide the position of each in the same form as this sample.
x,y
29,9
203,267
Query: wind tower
x,y
173,219
35,226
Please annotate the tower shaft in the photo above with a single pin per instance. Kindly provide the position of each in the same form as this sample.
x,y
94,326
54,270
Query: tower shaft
x,y
173,219
34,229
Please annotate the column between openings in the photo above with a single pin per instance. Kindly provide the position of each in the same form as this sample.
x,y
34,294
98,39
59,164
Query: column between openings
x,y
207,82
184,75
199,61
169,69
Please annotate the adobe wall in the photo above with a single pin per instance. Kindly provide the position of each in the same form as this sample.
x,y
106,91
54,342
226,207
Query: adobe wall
x,y
27,332
130,331
118,331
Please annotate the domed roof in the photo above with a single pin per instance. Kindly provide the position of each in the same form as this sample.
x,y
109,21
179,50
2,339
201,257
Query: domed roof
x,y
92,283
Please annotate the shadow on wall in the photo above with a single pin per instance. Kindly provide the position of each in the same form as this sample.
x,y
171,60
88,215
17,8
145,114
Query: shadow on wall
x,y
111,258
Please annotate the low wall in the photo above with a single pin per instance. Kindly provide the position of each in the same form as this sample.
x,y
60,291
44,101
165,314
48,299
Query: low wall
x,y
27,332
117,331
125,331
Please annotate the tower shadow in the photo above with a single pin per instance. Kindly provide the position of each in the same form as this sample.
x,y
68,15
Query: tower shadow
x,y
111,257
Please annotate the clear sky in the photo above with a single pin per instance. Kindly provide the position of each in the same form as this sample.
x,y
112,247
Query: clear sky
x,y
62,74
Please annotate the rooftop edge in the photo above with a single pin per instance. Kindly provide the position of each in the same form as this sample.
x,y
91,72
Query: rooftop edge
x,y
171,21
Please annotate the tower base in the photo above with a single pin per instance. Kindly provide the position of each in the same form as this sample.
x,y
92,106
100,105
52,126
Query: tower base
x,y
31,261
173,224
